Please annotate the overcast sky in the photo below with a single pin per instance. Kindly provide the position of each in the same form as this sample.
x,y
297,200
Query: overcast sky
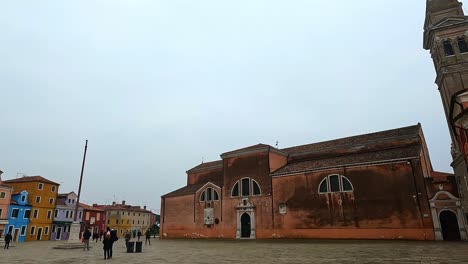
x,y
157,86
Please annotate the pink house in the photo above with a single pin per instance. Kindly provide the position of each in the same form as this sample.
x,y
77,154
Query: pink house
x,y
5,197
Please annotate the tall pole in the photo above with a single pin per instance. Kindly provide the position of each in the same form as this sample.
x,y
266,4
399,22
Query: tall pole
x,y
81,180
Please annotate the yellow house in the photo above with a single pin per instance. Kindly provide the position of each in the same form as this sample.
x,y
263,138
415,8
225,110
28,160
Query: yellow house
x,y
123,218
43,197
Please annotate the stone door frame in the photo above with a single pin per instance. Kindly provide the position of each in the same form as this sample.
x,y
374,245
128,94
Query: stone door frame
x,y
245,206
453,204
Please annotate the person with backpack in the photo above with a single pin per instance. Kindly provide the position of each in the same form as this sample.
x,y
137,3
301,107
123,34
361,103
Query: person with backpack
x,y
107,241
7,240
86,236
127,238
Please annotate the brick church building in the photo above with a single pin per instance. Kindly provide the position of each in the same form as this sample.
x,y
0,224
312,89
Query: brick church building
x,y
373,186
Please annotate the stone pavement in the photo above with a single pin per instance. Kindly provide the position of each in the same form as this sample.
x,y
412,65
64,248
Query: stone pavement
x,y
252,252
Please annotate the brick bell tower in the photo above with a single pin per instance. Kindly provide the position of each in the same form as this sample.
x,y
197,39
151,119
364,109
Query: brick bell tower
x,y
446,37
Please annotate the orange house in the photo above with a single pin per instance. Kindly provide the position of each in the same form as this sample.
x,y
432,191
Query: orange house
x,y
5,196
43,198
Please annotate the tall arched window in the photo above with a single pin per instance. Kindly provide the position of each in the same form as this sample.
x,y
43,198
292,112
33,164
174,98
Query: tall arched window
x,y
462,45
448,49
335,183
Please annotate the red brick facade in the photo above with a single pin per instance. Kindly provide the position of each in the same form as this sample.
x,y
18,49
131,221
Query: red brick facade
x,y
372,186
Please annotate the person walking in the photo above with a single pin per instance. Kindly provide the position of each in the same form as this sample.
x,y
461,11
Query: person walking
x,y
95,236
86,236
7,240
113,239
148,236
107,241
139,235
127,238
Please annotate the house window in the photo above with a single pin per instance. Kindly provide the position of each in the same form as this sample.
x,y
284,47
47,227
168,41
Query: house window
x,y
38,199
98,216
33,230
80,215
49,214
23,198
71,214
108,222
23,230
51,201
235,190
14,213
448,49
87,216
462,45
202,197
27,213
53,228
335,183
69,200
36,213
116,221
66,214
40,186
56,213
2,195
46,232
53,188
1,213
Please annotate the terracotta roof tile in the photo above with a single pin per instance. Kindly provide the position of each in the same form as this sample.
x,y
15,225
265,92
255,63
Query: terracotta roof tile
x,y
206,165
364,139
31,179
190,189
354,159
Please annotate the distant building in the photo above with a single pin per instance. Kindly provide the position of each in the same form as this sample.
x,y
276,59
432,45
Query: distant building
x,y
372,186
122,218
64,216
5,197
42,197
94,218
19,213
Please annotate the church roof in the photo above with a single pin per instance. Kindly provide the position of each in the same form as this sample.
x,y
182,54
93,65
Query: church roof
x,y
190,189
207,165
350,160
359,140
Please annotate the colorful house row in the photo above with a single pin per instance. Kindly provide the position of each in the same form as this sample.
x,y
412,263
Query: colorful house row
x,y
32,209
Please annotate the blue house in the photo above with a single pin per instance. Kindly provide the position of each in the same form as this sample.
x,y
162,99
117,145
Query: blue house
x,y
18,216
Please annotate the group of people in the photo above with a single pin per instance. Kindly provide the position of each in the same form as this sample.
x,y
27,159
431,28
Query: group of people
x,y
128,236
108,239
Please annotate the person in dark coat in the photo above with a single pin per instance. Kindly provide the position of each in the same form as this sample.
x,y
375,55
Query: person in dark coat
x,y
7,240
107,241
139,235
113,239
95,236
148,236
86,236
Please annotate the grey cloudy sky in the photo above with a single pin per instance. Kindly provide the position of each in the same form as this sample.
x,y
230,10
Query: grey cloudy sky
x,y
157,85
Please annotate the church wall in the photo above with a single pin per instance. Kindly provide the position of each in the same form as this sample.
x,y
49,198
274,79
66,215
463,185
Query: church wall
x,y
214,175
382,205
178,215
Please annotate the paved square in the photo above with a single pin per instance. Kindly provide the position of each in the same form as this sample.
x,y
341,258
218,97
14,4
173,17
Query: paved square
x,y
252,252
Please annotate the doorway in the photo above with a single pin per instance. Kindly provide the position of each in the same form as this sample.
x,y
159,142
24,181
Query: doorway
x,y
59,233
15,236
39,233
449,225
245,225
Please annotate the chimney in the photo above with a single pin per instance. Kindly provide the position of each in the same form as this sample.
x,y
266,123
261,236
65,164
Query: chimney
x,y
113,203
144,207
123,202
94,205
1,172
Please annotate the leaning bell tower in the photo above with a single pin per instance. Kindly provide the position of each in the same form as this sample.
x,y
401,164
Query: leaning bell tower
x,y
446,37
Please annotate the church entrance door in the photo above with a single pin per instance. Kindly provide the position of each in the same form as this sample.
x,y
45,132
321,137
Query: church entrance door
x,y
245,225
449,225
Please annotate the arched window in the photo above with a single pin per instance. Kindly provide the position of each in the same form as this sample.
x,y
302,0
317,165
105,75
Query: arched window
x,y
255,188
462,45
335,183
448,49
235,190
209,194
246,187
